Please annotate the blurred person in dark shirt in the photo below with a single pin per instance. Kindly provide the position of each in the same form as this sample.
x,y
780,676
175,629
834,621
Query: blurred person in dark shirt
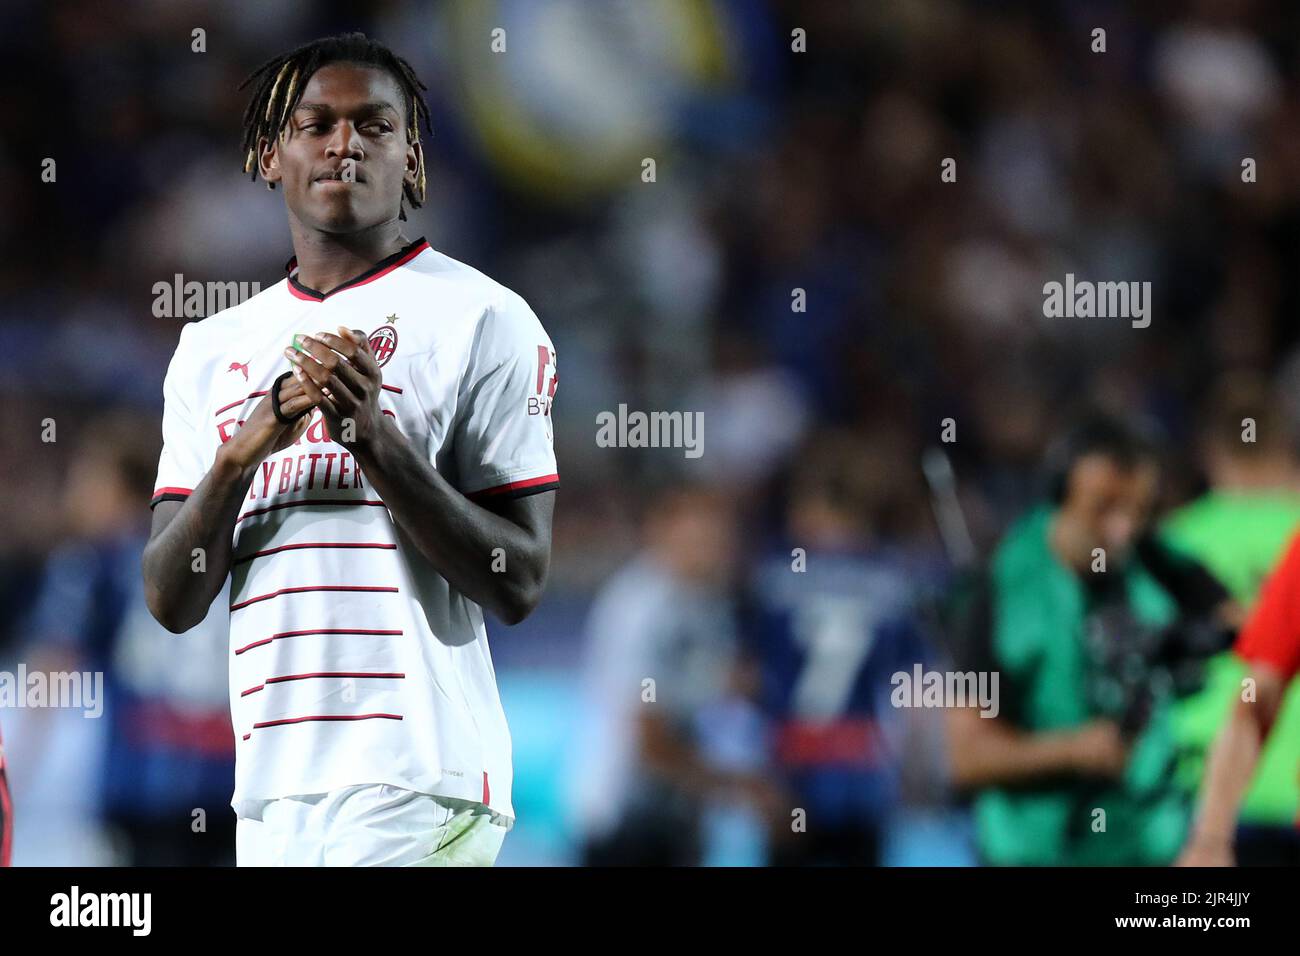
x,y
168,771
831,616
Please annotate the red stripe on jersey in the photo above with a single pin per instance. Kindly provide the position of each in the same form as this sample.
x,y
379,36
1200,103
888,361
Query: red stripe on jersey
x,y
313,544
487,793
289,677
299,720
315,587
306,501
236,404
391,388
320,630
516,486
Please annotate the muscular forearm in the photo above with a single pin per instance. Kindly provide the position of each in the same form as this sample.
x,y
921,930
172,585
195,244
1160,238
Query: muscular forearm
x,y
458,538
177,594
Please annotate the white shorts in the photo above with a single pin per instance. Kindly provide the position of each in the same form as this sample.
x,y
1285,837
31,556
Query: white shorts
x,y
368,825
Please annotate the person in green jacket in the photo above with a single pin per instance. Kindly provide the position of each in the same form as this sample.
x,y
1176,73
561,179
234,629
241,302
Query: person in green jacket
x,y
1077,768
1239,529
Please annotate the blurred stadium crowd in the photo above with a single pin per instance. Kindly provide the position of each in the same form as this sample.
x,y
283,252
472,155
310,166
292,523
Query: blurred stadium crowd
x,y
776,172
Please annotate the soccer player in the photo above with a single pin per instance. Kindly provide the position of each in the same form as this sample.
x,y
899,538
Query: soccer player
x,y
829,636
1239,529
1270,646
368,493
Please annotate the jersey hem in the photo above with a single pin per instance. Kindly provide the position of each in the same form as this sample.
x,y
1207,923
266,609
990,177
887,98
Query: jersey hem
x,y
249,808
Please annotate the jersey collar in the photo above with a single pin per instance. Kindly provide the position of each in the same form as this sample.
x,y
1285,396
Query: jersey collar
x,y
380,268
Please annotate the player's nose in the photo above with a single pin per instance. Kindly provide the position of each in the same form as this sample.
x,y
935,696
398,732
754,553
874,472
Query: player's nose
x,y
345,143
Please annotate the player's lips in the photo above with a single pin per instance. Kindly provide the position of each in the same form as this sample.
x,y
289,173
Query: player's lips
x,y
336,177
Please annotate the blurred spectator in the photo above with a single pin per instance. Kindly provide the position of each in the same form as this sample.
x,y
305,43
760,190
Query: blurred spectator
x,y
832,616
1239,529
1270,646
168,768
661,656
755,414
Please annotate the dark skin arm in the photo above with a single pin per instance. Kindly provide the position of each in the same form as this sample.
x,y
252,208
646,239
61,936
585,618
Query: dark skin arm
x,y
177,595
459,538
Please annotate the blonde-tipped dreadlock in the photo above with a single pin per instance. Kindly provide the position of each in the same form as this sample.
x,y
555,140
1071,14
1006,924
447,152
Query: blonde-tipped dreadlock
x,y
294,69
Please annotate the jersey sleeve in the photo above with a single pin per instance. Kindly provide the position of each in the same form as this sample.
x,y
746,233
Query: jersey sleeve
x,y
503,437
181,465
1272,632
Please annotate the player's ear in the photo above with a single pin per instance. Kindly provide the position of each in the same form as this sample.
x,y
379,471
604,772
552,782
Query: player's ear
x,y
413,154
268,160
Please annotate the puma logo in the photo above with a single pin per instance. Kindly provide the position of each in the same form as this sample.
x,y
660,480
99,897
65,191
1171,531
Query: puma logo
x,y
242,366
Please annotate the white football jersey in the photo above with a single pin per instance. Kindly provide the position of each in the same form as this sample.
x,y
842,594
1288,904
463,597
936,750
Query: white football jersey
x,y
351,659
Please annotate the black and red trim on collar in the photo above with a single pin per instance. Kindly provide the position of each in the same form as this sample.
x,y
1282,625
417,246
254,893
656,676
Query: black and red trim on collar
x,y
380,268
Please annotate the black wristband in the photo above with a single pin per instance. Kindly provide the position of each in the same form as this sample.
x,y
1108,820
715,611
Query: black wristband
x,y
275,402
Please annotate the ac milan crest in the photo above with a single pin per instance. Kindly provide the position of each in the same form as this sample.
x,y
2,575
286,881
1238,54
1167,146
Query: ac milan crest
x,y
383,342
